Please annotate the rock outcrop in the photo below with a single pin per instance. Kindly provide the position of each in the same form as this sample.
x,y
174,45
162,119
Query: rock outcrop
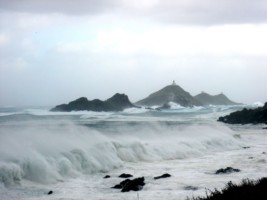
x,y
162,176
247,116
118,102
220,99
170,93
131,185
227,170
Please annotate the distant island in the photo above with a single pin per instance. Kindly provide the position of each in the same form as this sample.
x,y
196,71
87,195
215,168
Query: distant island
x,y
174,93
247,116
220,99
118,102
162,98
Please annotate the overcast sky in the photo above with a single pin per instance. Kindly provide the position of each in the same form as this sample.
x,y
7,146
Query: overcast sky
x,y
54,51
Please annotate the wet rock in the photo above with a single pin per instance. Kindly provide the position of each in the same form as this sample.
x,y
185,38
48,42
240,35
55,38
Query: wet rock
x,y
131,185
134,185
125,175
122,184
227,170
107,176
162,176
50,192
247,116
246,147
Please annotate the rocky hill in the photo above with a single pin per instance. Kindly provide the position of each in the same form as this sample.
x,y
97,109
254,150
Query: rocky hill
x,y
170,93
220,99
117,102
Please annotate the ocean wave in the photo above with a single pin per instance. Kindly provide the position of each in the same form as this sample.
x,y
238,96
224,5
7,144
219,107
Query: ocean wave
x,y
52,153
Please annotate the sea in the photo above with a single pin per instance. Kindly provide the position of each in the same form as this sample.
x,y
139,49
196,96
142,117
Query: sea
x,y
69,153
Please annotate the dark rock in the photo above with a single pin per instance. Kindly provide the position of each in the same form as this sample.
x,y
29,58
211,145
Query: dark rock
x,y
50,192
264,128
128,185
162,176
118,102
191,188
125,175
134,185
247,116
250,158
263,152
220,99
107,176
227,170
122,184
170,93
245,147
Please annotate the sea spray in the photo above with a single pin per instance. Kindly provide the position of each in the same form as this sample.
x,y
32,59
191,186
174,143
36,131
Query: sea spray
x,y
62,149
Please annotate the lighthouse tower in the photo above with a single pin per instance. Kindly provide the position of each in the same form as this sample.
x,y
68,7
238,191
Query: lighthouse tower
x,y
173,82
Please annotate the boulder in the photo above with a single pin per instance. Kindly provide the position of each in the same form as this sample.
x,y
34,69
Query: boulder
x,y
131,185
125,175
227,170
162,176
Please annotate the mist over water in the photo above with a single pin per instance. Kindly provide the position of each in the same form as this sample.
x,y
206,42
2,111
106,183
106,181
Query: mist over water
x,y
48,148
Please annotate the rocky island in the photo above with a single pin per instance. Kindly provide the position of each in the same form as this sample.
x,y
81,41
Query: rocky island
x,y
171,93
247,116
174,93
220,99
163,98
118,102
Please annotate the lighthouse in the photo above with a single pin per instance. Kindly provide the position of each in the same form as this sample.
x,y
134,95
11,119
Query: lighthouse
x,y
173,82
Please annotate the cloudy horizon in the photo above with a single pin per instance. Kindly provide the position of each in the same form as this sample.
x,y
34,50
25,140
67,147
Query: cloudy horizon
x,y
53,52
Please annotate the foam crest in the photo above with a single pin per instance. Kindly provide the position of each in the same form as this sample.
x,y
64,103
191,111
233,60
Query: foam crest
x,y
55,152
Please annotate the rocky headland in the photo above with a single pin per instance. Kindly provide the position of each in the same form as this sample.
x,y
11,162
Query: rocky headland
x,y
247,116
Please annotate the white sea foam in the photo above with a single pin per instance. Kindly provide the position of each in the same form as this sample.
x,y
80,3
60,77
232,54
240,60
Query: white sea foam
x,y
52,153
258,104
175,105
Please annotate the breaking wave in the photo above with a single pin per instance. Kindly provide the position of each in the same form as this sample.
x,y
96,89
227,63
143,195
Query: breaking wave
x,y
51,153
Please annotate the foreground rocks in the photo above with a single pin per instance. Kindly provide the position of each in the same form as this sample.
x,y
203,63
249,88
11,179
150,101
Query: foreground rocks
x,y
134,184
162,176
227,170
131,185
125,175
247,116
118,102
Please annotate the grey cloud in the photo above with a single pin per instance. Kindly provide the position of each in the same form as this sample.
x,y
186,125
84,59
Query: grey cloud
x,y
213,11
69,7
204,12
